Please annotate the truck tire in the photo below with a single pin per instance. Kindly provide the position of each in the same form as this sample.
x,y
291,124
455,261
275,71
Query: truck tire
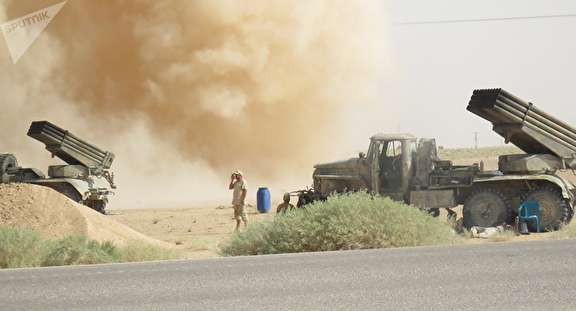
x,y
99,206
434,212
487,207
306,197
555,210
7,161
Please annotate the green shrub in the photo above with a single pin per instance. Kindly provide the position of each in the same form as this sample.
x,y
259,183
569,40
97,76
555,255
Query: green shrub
x,y
343,222
21,248
78,250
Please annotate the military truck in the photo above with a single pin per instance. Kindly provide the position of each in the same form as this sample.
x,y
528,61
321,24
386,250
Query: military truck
x,y
85,179
408,169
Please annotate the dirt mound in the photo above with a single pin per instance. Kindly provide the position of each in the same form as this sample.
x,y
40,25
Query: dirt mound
x,y
54,216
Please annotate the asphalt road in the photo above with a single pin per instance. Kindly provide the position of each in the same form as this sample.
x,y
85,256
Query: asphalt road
x,y
516,276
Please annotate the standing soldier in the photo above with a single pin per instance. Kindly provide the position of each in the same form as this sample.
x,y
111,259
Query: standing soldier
x,y
284,207
239,186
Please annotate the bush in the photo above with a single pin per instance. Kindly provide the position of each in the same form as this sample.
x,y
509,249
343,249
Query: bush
x,y
343,222
21,248
78,250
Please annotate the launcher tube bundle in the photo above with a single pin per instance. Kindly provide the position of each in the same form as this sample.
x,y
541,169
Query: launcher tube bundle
x,y
523,124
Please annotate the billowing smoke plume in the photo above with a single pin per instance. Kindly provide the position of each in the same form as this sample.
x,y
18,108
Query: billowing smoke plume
x,y
255,85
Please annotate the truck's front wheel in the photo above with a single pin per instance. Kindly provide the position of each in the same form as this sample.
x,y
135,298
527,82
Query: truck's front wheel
x,y
99,206
486,207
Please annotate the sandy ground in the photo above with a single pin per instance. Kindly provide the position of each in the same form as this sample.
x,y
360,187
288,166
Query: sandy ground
x,y
197,231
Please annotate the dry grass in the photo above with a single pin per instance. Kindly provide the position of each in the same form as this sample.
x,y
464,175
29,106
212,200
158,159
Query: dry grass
x,y
505,236
567,232
137,251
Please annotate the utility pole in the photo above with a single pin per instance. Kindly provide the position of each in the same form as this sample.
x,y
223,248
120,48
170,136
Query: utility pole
x,y
476,140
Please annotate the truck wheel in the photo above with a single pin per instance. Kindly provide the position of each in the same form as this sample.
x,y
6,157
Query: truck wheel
x,y
99,206
304,200
434,212
555,210
486,208
7,161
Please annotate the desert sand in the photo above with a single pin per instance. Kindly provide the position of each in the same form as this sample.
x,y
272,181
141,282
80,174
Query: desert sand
x,y
197,231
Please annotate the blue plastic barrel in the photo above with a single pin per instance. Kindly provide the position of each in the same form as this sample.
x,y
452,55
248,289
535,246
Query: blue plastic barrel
x,y
263,200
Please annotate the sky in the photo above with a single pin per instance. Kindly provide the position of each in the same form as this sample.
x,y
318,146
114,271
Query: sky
x,y
434,68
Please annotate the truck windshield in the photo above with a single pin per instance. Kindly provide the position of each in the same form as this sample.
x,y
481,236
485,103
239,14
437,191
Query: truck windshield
x,y
394,149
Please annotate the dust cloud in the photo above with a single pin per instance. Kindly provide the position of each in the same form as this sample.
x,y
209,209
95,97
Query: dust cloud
x,y
186,91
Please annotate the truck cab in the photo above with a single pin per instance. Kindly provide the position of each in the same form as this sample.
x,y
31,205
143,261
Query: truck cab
x,y
401,167
391,159
387,168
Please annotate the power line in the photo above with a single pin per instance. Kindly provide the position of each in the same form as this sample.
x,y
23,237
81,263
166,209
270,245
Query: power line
x,y
491,19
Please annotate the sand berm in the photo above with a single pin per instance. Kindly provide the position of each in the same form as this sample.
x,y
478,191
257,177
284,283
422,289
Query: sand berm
x,y
55,216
